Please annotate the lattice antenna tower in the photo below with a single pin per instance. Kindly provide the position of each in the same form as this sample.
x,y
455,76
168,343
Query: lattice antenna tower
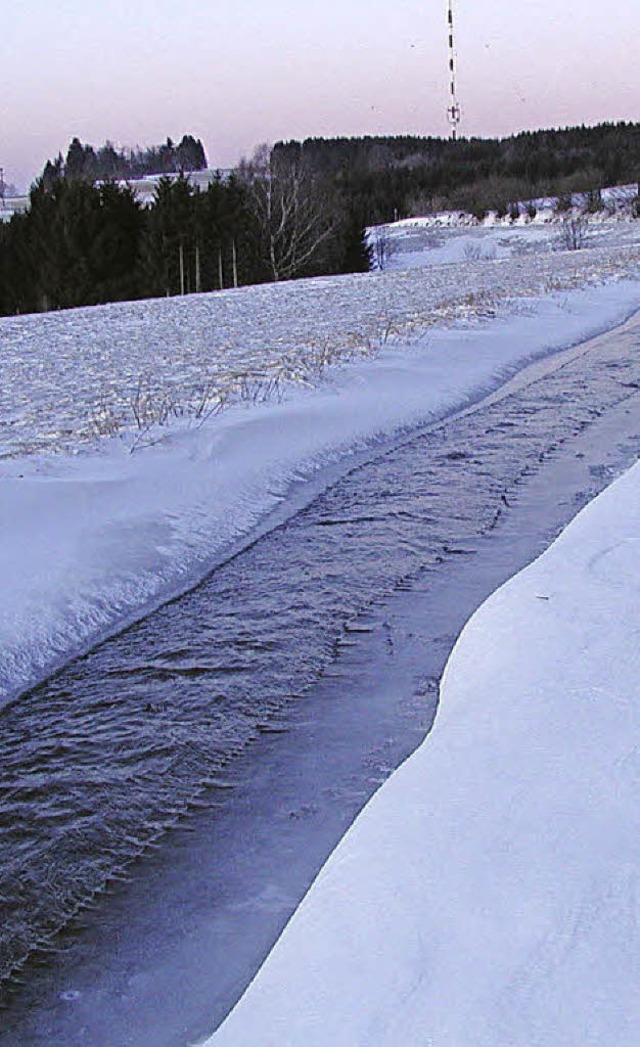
x,y
453,109
3,187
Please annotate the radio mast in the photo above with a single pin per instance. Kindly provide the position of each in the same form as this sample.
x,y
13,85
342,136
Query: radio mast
x,y
453,109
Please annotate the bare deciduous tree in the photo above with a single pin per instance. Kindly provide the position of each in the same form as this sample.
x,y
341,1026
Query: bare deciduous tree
x,y
574,232
384,246
297,215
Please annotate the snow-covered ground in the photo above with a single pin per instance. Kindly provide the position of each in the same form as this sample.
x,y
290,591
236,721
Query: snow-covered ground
x,y
443,239
145,187
13,205
68,376
447,237
488,894
416,244
93,536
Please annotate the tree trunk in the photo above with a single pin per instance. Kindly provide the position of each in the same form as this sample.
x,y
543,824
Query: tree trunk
x,y
198,277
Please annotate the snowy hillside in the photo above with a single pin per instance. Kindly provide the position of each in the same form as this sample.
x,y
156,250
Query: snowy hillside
x,y
92,536
71,376
532,226
145,187
443,239
13,205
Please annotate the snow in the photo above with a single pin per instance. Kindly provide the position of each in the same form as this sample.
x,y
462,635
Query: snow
x,y
488,894
69,376
91,540
13,205
450,237
145,186
446,237
231,402
425,245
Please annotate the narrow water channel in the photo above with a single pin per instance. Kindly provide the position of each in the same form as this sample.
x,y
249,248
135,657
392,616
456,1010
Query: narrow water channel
x,y
148,730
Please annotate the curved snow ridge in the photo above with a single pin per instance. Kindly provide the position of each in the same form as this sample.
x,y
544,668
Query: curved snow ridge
x,y
91,542
487,896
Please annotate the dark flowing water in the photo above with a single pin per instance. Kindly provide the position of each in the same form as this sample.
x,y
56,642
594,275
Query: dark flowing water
x,y
99,761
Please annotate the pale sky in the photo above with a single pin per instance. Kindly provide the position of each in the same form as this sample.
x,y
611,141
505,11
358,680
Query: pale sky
x,y
240,72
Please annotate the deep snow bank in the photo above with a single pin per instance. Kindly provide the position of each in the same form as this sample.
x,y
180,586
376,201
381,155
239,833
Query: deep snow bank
x,y
488,894
92,540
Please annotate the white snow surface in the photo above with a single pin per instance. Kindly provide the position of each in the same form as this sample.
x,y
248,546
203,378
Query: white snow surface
x,y
487,896
13,205
444,239
93,537
67,376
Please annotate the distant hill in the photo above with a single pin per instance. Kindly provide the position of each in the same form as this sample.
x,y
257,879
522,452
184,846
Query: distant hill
x,y
405,175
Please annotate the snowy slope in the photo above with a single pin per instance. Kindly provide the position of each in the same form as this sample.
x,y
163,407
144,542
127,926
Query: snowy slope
x,y
89,541
449,239
67,376
13,205
488,894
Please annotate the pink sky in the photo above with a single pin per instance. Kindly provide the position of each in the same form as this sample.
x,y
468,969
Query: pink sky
x,y
238,73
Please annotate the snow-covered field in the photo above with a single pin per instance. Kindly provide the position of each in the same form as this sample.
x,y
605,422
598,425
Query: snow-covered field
x,y
92,536
145,187
71,375
451,237
13,205
488,894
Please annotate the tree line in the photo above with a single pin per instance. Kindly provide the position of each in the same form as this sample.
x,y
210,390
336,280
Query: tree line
x,y
389,177
299,209
85,163
82,242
